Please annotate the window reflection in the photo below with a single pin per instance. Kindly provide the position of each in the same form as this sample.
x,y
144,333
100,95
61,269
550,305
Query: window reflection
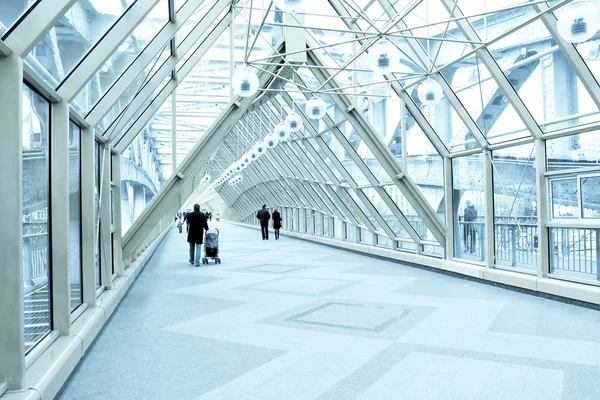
x,y
86,22
75,216
36,221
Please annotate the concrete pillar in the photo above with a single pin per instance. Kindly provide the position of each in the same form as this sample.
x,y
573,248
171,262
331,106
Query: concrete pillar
x,y
59,203
88,216
12,334
105,241
117,195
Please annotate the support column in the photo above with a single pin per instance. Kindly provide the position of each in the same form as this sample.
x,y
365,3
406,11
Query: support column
x,y
174,131
118,234
448,208
59,213
105,241
88,216
489,229
12,334
542,209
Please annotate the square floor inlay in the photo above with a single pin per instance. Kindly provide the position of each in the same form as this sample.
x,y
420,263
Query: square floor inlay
x,y
351,316
298,285
274,268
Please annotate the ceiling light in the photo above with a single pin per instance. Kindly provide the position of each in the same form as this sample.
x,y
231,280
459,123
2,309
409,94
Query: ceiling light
x,y
293,122
271,140
316,108
430,92
260,148
384,57
245,82
281,132
579,21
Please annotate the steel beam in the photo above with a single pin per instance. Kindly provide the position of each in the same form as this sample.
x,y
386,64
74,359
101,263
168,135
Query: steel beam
x,y
163,202
24,36
153,50
383,155
102,50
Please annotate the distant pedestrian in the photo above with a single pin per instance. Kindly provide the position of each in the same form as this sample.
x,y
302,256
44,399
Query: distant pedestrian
x,y
196,225
276,223
264,216
470,230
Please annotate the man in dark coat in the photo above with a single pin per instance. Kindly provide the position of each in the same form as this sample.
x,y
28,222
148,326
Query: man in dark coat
x,y
197,225
276,223
470,229
264,216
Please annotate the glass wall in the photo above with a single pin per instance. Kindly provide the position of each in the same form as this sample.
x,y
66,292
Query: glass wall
x,y
97,239
515,207
86,22
469,207
36,217
75,266
10,12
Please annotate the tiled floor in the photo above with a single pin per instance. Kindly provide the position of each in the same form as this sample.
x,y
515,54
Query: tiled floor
x,y
289,320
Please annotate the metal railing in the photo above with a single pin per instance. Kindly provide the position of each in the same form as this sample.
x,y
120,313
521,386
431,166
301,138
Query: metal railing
x,y
575,252
35,258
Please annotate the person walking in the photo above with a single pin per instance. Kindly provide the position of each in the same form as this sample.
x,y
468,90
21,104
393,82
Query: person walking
x,y
276,223
196,225
470,230
264,216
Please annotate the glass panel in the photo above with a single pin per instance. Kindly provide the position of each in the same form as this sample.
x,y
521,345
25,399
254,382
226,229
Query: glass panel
x,y
515,207
192,21
57,54
350,232
544,79
140,178
126,98
307,218
572,152
565,198
75,216
446,122
590,196
326,225
406,246
485,101
575,253
435,250
317,224
366,236
385,212
410,213
10,12
36,224
139,111
424,165
469,207
384,241
122,58
98,260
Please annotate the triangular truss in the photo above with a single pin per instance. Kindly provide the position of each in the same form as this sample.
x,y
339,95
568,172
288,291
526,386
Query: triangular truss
x,y
364,163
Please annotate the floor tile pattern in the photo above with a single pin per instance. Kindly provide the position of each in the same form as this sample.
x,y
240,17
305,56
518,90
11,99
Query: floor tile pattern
x,y
291,319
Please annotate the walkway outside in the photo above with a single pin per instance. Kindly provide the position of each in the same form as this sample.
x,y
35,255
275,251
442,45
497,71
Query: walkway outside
x,y
289,319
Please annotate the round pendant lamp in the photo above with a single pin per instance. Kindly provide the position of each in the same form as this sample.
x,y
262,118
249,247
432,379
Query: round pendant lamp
x,y
316,108
430,92
245,82
579,21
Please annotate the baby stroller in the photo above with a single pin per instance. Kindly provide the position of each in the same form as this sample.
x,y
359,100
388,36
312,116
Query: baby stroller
x,y
211,246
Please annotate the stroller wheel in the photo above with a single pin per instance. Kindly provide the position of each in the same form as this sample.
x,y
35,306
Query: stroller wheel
x,y
217,260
